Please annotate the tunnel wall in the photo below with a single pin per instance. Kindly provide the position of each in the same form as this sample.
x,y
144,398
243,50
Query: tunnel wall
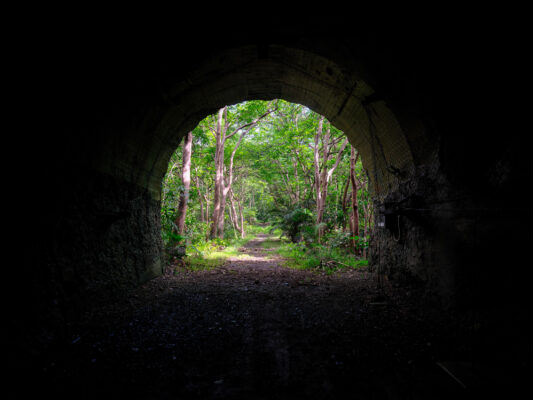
x,y
115,115
96,242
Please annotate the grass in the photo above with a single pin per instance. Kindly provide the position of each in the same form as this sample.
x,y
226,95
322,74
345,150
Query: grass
x,y
255,229
208,255
318,257
266,229
272,244
213,254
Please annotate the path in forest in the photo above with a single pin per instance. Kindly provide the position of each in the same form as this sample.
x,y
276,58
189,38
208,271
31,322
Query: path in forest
x,y
259,258
254,329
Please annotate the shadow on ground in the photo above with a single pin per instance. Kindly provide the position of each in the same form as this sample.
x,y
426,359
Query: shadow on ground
x,y
253,329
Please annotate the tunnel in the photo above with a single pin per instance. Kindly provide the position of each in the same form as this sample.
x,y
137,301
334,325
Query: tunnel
x,y
107,113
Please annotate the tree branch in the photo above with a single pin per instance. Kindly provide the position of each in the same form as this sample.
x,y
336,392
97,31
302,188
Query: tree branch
x,y
339,156
250,124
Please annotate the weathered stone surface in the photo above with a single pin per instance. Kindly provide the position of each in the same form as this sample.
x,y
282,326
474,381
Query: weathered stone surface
x,y
104,239
112,119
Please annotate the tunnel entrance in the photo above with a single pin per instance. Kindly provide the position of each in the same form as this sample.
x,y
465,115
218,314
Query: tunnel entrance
x,y
232,320
267,168
113,122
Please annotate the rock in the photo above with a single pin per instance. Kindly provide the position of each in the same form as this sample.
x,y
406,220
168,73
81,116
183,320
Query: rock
x,y
178,251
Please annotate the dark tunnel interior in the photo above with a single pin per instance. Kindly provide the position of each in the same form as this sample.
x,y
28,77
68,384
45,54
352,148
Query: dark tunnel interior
x,y
101,116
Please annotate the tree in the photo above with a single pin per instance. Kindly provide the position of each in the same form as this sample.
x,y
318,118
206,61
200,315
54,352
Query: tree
x,y
322,173
224,176
355,212
270,161
186,179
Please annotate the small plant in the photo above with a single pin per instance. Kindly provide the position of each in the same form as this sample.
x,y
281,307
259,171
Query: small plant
x,y
209,254
320,257
296,224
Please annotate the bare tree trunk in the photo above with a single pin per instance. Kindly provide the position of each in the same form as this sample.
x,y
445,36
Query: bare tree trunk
x,y
221,187
201,197
355,213
336,202
297,180
323,177
368,213
225,187
207,203
233,220
202,212
219,162
350,221
221,215
235,216
323,182
365,234
344,200
316,161
186,179
241,212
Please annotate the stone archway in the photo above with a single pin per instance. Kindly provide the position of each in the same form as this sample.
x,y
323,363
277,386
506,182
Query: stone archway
x,y
139,158
118,111
98,117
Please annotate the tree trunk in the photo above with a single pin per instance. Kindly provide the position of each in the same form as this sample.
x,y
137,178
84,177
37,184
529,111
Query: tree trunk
x,y
222,214
186,179
297,180
355,213
241,212
323,177
235,216
207,203
344,201
222,188
219,162
318,186
202,212
201,197
367,212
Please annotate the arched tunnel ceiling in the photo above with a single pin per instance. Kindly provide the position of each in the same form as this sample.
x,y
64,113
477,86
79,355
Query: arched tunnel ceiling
x,y
109,113
260,72
118,103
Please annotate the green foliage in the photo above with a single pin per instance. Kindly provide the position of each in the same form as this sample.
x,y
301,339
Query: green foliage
x,y
344,240
273,180
213,253
255,229
296,224
319,257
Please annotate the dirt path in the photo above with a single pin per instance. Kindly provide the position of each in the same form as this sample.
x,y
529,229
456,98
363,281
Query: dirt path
x,y
253,329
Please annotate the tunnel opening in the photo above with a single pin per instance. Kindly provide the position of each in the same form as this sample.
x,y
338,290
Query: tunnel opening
x,y
293,175
108,156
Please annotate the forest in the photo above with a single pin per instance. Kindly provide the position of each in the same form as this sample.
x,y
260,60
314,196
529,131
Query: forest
x,y
269,167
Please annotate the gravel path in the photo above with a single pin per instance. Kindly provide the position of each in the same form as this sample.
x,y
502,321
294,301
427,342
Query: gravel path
x,y
253,329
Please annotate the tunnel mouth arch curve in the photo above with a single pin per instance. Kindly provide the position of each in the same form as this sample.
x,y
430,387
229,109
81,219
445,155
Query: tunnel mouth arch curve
x,y
124,153
106,121
137,151
266,73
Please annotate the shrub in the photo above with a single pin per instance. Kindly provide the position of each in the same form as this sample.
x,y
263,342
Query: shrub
x,y
296,224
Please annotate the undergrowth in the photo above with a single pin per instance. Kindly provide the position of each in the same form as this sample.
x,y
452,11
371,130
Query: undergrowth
x,y
318,257
206,255
213,253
